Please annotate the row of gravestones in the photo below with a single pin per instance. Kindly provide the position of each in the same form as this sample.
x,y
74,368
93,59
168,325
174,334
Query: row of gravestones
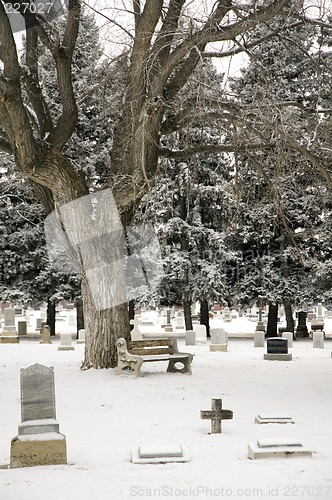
x,y
39,441
11,334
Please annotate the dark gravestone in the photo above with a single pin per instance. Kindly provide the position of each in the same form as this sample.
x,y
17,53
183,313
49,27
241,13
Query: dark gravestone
x,y
302,329
277,345
277,349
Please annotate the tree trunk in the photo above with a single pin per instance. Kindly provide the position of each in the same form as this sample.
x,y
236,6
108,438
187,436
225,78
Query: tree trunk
x,y
79,314
187,315
131,310
103,328
204,315
50,315
289,316
272,321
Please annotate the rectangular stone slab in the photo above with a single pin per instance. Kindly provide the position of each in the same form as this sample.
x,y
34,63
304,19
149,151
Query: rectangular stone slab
x,y
278,357
270,419
268,443
159,451
254,452
147,450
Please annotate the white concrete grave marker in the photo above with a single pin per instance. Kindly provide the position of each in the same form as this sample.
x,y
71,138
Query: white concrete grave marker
x,y
289,337
9,333
65,342
273,419
282,447
259,338
201,337
135,333
159,454
318,339
81,336
219,339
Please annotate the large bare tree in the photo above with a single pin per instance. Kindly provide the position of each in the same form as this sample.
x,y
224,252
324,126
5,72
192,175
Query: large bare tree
x,y
166,44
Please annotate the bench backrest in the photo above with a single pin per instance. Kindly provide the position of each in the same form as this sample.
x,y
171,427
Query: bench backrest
x,y
150,347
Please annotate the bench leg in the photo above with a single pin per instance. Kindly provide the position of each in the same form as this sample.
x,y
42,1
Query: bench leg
x,y
186,368
129,366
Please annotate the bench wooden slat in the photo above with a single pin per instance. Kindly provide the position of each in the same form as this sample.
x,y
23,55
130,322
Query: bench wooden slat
x,y
149,343
150,351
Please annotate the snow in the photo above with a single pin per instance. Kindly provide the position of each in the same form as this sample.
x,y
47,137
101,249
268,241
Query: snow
x,y
105,416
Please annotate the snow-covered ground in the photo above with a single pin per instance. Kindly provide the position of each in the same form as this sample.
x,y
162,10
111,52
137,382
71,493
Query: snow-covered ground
x,y
103,416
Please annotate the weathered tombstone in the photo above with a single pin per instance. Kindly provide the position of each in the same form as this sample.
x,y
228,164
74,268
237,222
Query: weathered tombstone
x,y
318,340
179,323
168,327
46,335
159,454
227,316
320,316
65,342
277,349
260,327
289,337
219,340
9,325
259,338
201,337
81,336
190,337
71,321
234,314
135,333
39,324
38,441
216,415
302,329
22,328
9,333
267,448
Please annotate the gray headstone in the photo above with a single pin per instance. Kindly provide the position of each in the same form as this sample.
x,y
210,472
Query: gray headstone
x,y
22,327
9,325
37,393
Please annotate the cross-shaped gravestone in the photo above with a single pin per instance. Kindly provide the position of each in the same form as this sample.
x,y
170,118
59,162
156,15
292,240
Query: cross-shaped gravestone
x,y
216,415
135,333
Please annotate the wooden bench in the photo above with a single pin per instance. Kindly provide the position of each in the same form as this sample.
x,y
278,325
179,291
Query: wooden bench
x,y
131,357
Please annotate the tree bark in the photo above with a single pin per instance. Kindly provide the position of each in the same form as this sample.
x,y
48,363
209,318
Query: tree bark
x,y
50,315
102,328
289,316
272,321
204,315
79,314
187,315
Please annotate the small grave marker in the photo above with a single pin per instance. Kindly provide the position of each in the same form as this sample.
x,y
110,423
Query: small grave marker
x,y
159,454
273,419
135,333
267,448
216,415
